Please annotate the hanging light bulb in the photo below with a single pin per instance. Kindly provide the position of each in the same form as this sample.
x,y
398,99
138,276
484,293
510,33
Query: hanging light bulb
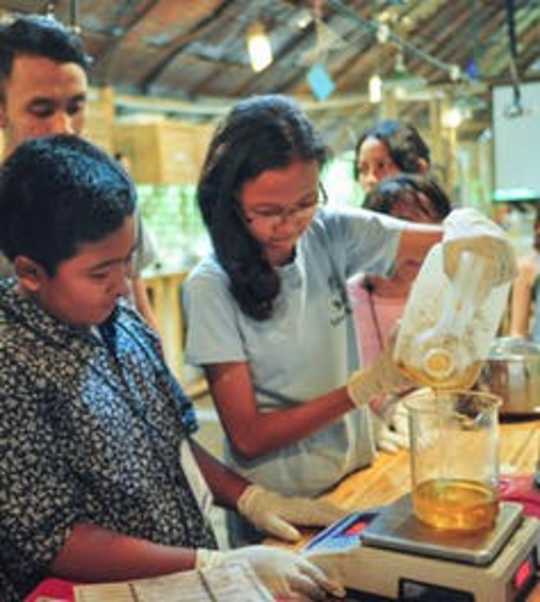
x,y
399,65
455,72
383,33
452,117
259,48
375,88
304,19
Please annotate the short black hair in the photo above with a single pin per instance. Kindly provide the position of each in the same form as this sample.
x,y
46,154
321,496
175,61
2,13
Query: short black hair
x,y
260,133
403,141
56,193
39,36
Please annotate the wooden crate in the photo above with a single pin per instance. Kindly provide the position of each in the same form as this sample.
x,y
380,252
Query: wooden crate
x,y
100,118
164,152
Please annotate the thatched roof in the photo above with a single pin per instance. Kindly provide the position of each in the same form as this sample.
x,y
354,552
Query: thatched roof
x,y
194,52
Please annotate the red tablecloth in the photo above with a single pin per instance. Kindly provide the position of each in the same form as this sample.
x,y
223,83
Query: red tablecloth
x,y
521,488
52,589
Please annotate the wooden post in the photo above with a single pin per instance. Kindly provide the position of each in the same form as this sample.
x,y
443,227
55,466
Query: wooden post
x,y
451,136
164,291
389,106
100,117
106,99
437,146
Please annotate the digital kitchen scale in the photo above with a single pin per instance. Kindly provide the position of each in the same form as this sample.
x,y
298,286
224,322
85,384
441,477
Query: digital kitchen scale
x,y
389,553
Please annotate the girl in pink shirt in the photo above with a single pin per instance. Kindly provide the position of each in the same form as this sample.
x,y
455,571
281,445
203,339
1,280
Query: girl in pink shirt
x,y
378,303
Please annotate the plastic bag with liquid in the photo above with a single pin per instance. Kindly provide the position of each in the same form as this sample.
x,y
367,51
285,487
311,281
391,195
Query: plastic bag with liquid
x,y
448,325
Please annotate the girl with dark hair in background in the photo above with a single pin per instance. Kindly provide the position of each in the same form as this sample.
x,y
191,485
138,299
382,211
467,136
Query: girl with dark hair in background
x,y
387,149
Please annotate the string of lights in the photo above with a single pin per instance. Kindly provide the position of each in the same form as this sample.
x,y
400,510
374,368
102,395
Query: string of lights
x,y
383,33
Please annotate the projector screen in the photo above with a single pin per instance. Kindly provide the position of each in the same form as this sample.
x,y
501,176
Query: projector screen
x,y
517,159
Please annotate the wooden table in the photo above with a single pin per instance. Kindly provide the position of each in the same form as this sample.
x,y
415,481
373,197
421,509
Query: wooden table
x,y
164,292
389,476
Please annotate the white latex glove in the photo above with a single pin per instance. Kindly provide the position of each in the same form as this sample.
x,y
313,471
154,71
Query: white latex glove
x,y
283,572
387,439
382,377
400,421
468,229
274,513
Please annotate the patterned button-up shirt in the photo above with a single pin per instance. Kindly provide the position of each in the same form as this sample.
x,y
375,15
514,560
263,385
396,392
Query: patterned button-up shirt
x,y
90,428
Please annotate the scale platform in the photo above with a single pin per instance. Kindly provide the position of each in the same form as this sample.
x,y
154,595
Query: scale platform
x,y
388,553
396,528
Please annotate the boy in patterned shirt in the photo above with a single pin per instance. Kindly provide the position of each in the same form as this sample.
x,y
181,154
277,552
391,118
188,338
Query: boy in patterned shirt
x,y
92,487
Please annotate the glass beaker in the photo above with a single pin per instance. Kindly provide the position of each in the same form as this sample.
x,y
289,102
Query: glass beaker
x,y
454,437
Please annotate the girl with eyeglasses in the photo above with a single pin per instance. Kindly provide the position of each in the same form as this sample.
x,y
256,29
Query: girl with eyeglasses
x,y
267,312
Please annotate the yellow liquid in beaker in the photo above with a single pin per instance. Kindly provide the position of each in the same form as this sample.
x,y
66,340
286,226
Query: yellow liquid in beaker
x,y
455,504
461,380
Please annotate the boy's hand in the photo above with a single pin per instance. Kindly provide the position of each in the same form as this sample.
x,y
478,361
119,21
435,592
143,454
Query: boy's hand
x,y
283,572
276,514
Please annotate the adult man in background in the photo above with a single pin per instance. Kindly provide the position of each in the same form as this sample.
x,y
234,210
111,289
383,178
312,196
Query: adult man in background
x,y
43,90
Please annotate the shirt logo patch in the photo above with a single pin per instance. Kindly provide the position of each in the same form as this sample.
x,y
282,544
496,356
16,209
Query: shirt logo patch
x,y
339,301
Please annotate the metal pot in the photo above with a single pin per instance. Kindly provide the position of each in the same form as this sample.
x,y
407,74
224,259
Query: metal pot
x,y
512,371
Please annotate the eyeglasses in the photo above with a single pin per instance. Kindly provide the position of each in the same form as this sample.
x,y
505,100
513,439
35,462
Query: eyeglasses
x,y
274,216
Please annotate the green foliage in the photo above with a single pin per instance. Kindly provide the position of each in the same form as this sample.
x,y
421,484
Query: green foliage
x,y
172,216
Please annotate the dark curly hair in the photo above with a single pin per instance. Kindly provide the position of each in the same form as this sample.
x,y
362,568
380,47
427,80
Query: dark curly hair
x,y
259,134
56,193
408,187
404,143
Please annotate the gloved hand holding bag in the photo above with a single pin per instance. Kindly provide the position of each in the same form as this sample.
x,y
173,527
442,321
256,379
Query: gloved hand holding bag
x,y
469,230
